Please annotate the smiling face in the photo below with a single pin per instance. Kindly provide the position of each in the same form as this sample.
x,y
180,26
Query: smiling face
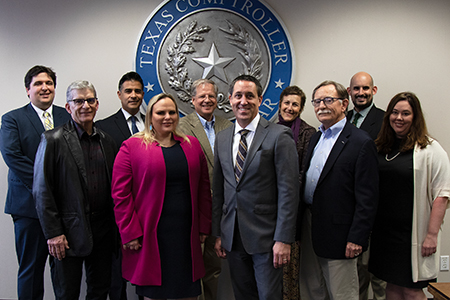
x,y
290,108
361,90
245,102
205,101
131,95
401,118
82,114
164,117
41,91
330,114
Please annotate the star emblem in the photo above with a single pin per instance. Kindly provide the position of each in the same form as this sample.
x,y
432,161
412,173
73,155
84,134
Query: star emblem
x,y
279,84
149,87
214,65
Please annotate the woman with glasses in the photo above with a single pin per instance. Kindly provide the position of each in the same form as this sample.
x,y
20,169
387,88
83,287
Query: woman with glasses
x,y
414,190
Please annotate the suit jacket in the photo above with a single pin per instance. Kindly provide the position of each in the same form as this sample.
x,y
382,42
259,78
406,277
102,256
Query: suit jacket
x,y
265,200
138,189
116,126
346,197
20,136
372,122
191,125
60,186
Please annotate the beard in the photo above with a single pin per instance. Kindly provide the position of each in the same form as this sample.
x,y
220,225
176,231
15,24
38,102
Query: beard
x,y
360,106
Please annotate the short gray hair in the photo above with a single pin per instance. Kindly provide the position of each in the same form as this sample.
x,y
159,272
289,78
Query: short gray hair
x,y
80,85
199,82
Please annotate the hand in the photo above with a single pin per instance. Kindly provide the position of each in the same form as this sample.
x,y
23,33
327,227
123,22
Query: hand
x,y
352,250
429,245
132,245
281,254
218,248
203,237
57,246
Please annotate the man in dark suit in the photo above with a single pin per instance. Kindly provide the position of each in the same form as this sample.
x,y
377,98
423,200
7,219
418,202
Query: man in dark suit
x,y
128,120
370,118
255,195
365,114
72,191
340,196
204,125
20,135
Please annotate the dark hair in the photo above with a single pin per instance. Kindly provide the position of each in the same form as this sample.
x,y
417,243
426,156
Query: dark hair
x,y
246,78
36,70
417,134
294,90
131,76
340,89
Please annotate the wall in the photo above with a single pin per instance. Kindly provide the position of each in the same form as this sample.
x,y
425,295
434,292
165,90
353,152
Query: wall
x,y
403,44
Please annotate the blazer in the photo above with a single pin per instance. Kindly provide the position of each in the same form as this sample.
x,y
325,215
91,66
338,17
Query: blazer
x,y
60,186
372,122
116,126
346,196
138,188
20,136
191,125
265,200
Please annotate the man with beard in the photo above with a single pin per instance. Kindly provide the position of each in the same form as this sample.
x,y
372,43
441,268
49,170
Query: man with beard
x,y
365,114
368,117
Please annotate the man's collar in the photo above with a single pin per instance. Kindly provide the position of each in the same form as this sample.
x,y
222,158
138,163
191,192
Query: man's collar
x,y
365,111
337,127
127,115
252,126
40,111
80,130
203,121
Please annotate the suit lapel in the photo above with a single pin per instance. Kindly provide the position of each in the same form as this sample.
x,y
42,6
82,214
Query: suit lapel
x,y
122,124
72,140
369,120
34,120
59,115
199,132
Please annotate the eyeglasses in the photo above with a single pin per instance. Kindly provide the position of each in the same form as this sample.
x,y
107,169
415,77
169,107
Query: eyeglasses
x,y
326,101
80,102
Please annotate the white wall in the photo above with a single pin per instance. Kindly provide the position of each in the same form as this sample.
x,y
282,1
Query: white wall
x,y
403,44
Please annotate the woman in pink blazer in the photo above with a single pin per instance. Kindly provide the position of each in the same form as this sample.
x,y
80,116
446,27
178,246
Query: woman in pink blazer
x,y
162,199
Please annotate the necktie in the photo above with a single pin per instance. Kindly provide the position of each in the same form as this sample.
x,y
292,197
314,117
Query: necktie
x,y
355,119
134,128
48,124
242,153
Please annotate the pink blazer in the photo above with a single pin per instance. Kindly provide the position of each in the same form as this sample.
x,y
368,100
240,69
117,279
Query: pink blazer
x,y
138,185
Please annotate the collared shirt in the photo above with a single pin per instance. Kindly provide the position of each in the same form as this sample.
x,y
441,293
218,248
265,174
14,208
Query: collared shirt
x,y
97,178
40,113
363,114
139,122
320,156
237,136
208,126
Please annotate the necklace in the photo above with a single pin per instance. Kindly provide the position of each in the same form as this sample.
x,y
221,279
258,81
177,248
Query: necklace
x,y
389,159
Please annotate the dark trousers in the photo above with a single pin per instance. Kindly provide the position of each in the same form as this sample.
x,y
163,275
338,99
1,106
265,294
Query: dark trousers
x,y
118,288
253,276
32,253
67,273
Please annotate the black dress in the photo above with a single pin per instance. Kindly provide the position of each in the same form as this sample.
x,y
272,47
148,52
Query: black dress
x,y
390,247
174,232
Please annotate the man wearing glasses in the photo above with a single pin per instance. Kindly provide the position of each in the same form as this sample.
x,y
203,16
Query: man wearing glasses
x,y
340,196
71,188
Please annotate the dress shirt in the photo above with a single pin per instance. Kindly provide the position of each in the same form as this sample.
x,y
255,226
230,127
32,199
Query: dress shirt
x,y
40,113
320,156
208,126
139,122
237,136
363,114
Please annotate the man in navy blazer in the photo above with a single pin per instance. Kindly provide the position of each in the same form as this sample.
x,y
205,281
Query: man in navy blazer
x,y
20,136
339,199
368,117
120,126
255,202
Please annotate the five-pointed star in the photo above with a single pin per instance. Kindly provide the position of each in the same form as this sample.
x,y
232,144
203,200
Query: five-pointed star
x,y
279,84
149,87
213,65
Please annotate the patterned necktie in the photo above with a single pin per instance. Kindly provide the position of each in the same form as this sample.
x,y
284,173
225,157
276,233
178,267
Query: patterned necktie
x,y
48,124
242,153
134,128
355,119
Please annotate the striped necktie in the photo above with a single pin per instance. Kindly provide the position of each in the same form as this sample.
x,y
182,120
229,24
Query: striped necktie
x,y
242,153
356,118
48,124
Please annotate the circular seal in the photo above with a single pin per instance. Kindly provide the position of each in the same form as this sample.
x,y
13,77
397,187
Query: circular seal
x,y
184,40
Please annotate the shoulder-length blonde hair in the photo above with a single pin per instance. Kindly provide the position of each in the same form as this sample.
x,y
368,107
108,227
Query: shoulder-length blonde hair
x,y
418,133
148,135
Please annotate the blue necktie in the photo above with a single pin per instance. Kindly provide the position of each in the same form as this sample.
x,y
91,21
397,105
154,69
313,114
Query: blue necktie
x,y
134,128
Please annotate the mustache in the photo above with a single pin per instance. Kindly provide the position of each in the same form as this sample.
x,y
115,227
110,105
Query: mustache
x,y
324,111
362,96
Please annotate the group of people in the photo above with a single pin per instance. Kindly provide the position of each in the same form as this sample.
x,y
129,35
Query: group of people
x,y
158,201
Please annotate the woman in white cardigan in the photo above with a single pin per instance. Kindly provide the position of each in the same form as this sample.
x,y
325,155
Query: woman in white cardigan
x,y
414,193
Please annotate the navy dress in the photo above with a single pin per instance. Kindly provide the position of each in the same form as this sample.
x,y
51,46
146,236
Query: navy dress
x,y
174,232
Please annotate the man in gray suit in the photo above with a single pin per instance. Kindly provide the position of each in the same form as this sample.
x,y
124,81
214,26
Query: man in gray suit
x,y
204,125
255,195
